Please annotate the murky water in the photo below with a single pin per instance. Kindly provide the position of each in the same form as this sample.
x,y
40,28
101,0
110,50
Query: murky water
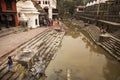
x,y
86,60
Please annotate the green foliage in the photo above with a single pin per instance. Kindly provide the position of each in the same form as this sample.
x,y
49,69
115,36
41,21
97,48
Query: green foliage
x,y
67,7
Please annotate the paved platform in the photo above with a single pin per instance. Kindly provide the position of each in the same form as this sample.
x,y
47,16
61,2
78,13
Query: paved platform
x,y
12,41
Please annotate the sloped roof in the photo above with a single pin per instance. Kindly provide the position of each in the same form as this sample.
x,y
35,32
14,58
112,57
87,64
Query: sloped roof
x,y
80,6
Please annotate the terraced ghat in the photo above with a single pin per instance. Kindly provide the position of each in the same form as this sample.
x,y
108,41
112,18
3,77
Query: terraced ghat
x,y
75,54
38,53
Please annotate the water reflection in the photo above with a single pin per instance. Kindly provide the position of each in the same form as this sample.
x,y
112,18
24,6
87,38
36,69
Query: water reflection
x,y
73,33
112,70
87,60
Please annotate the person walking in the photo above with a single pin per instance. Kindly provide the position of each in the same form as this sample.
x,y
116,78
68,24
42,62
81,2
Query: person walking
x,y
10,63
45,22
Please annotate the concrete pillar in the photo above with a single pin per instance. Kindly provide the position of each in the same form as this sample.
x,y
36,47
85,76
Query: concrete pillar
x,y
50,13
38,22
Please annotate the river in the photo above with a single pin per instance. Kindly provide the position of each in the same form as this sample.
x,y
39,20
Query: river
x,y
84,58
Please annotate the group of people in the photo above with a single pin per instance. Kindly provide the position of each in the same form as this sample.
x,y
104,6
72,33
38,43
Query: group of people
x,y
46,22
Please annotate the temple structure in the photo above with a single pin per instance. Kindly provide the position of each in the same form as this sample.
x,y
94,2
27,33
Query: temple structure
x,y
49,6
28,14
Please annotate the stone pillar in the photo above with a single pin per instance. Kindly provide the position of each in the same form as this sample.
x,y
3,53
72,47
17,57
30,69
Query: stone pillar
x,y
38,21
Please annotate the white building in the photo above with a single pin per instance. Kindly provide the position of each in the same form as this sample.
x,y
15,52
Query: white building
x,y
49,6
27,12
80,8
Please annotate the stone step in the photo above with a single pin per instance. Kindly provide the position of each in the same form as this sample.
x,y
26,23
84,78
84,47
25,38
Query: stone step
x,y
51,46
39,41
51,40
54,40
22,74
115,44
40,49
31,78
95,33
117,34
48,41
17,72
5,77
2,67
15,75
114,51
47,38
3,72
48,51
3,59
42,53
37,44
37,37
108,45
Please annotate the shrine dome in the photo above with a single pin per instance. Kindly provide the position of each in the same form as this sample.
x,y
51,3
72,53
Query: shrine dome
x,y
28,4
19,5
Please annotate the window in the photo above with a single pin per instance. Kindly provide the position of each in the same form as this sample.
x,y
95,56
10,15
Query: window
x,y
8,4
45,2
39,2
80,9
36,21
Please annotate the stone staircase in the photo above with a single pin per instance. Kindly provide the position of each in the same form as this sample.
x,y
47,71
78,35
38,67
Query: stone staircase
x,y
110,44
93,31
44,46
20,47
117,34
113,46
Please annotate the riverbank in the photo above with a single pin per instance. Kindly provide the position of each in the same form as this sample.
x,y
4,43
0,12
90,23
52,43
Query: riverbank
x,y
42,47
80,54
106,41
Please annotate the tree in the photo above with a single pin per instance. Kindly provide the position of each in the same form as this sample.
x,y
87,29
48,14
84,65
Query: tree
x,y
67,7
